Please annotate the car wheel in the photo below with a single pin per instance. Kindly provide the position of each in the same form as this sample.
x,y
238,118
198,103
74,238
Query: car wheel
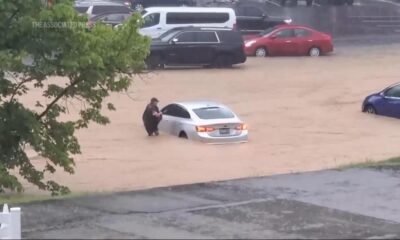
x,y
370,109
223,61
154,62
314,52
261,52
183,135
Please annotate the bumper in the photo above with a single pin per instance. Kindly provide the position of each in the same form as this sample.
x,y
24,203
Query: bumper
x,y
249,51
205,138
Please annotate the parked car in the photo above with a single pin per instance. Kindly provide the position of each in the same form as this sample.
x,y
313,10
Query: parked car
x,y
251,19
288,40
319,2
127,3
385,102
204,121
140,5
218,47
110,18
158,20
93,8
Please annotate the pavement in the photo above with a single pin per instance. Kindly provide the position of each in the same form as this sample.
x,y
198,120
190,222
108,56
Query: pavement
x,y
352,203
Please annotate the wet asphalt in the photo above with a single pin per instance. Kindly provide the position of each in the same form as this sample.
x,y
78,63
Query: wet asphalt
x,y
353,203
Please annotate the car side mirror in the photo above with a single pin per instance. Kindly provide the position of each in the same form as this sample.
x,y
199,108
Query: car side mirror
x,y
174,41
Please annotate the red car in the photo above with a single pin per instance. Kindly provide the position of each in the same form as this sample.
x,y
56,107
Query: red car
x,y
288,40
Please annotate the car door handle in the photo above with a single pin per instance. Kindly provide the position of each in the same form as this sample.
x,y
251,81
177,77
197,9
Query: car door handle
x,y
310,40
288,41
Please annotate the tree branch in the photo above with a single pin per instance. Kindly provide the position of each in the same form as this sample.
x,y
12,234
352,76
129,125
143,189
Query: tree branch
x,y
8,22
58,98
19,86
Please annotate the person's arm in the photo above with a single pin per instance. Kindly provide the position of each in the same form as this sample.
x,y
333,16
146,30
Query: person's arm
x,y
156,114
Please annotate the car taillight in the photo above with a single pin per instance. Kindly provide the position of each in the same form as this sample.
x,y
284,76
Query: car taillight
x,y
204,129
241,127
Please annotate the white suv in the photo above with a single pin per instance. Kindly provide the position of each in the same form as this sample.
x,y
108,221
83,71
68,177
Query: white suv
x,y
93,8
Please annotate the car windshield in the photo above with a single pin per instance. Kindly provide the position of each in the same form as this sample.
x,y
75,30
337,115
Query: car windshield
x,y
267,31
213,113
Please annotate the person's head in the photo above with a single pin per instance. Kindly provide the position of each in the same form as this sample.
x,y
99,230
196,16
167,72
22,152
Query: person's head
x,y
154,101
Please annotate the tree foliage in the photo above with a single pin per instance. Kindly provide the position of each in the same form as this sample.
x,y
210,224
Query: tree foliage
x,y
38,42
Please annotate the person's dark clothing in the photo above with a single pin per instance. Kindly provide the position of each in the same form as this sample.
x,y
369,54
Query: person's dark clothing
x,y
150,121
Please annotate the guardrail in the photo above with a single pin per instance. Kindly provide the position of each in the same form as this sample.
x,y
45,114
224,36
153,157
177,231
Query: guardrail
x,y
10,223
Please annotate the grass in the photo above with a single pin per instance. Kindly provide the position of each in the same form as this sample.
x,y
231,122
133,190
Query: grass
x,y
391,163
18,198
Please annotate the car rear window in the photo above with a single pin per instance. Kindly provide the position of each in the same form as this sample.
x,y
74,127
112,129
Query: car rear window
x,y
110,8
230,37
213,113
81,9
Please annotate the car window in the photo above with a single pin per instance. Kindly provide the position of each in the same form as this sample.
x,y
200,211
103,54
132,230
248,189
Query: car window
x,y
175,111
285,33
151,20
169,110
230,37
186,37
81,9
114,17
267,31
192,18
393,92
240,11
182,113
254,12
109,8
299,32
249,11
213,113
206,37
165,37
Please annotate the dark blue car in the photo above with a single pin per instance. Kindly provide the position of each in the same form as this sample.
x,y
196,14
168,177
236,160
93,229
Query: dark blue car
x,y
386,102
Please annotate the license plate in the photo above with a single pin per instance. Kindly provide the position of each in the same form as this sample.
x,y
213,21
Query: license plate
x,y
224,130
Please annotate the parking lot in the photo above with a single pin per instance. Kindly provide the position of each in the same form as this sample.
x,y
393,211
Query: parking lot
x,y
303,114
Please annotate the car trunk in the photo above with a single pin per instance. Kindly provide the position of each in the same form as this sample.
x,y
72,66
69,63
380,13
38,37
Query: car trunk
x,y
223,127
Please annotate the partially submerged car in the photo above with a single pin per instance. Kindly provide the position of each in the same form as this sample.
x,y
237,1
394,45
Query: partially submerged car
x,y
204,121
385,102
289,40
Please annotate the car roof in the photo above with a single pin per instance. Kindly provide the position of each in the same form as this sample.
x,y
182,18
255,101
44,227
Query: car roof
x,y
97,3
200,29
189,9
199,104
293,26
108,13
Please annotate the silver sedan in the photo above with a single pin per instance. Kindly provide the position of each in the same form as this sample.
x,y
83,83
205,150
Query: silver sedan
x,y
208,122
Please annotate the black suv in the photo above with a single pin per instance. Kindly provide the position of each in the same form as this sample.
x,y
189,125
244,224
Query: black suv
x,y
251,19
212,47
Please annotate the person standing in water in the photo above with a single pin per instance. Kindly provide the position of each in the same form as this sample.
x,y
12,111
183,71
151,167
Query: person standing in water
x,y
152,117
